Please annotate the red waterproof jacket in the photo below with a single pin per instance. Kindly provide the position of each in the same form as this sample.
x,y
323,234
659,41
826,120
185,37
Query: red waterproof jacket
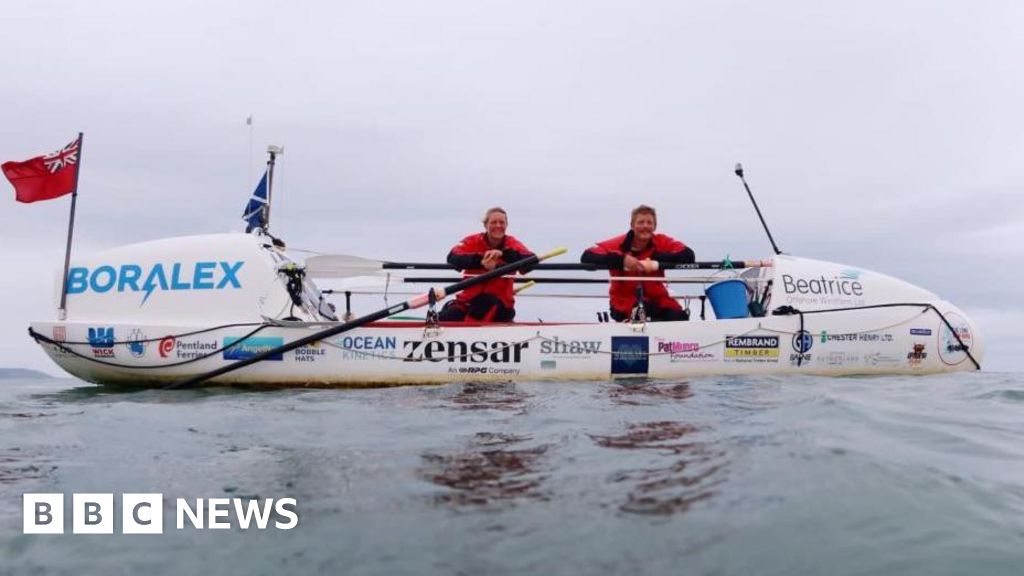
x,y
468,256
622,294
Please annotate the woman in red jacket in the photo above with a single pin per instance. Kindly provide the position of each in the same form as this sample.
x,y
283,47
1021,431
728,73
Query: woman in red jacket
x,y
640,252
494,300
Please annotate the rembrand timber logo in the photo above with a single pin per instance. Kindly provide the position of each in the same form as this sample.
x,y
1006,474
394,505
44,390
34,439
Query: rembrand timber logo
x,y
144,513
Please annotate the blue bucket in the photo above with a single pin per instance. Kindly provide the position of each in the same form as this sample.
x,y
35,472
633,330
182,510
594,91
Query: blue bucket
x,y
728,299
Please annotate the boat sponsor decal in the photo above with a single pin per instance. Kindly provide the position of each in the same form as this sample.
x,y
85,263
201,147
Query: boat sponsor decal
x,y
137,343
365,347
880,359
368,342
476,352
310,352
827,338
684,351
166,346
548,365
60,334
220,275
186,348
570,349
752,348
630,354
102,342
916,356
802,343
493,370
844,288
920,331
951,352
840,358
243,349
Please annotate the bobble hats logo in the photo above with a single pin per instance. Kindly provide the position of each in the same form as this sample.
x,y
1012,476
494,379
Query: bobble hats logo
x,y
144,513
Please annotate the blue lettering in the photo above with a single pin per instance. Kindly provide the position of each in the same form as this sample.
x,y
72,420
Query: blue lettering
x,y
229,275
156,274
129,277
77,280
203,277
176,283
369,343
94,280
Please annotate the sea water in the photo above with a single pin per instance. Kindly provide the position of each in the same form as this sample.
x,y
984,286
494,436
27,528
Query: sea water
x,y
737,475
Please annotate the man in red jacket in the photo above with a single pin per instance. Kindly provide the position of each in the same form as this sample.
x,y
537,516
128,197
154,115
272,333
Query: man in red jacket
x,y
640,252
494,300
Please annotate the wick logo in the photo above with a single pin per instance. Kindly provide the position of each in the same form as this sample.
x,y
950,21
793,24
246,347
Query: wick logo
x,y
144,513
102,342
101,337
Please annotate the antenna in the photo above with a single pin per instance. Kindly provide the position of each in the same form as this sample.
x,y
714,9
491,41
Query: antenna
x,y
739,172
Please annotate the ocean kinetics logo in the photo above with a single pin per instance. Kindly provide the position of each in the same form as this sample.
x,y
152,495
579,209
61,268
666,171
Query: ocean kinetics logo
x,y
176,276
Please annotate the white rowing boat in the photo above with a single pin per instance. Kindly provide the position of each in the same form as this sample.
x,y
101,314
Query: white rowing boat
x,y
236,309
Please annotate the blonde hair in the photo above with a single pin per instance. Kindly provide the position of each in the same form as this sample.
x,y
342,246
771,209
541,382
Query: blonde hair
x,y
487,215
643,209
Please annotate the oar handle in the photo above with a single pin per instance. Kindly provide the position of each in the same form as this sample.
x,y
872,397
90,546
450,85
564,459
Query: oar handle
x,y
498,272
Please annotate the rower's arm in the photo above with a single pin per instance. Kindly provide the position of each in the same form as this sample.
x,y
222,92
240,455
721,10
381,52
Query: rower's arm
x,y
602,258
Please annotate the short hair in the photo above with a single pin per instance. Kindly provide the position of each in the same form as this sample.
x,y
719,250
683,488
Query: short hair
x,y
487,215
643,209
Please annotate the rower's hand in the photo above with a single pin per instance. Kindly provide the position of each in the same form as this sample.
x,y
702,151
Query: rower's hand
x,y
491,259
631,264
649,266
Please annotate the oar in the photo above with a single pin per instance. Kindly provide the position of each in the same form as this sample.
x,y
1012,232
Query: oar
x,y
341,265
543,280
416,302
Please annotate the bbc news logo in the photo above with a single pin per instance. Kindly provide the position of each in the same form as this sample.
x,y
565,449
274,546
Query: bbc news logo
x,y
144,513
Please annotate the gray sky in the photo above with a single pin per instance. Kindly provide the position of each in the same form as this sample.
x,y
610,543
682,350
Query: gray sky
x,y
886,135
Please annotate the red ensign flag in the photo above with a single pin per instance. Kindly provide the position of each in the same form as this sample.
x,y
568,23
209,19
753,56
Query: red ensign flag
x,y
45,177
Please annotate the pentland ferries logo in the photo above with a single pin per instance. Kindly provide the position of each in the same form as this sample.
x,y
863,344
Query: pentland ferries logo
x,y
174,276
144,513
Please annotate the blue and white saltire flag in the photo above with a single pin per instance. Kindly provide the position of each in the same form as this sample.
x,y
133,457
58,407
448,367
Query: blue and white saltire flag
x,y
255,214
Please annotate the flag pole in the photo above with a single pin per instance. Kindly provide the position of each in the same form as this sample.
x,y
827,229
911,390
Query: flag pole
x,y
62,312
273,151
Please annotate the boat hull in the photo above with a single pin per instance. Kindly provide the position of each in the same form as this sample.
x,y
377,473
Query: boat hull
x,y
898,340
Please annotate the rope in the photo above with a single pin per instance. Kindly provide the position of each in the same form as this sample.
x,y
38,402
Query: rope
x,y
63,346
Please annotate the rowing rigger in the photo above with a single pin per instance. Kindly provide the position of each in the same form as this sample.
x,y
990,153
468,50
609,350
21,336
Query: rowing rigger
x,y
343,265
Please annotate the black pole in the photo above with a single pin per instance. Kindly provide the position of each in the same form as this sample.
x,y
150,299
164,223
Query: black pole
x,y
62,312
273,151
739,172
